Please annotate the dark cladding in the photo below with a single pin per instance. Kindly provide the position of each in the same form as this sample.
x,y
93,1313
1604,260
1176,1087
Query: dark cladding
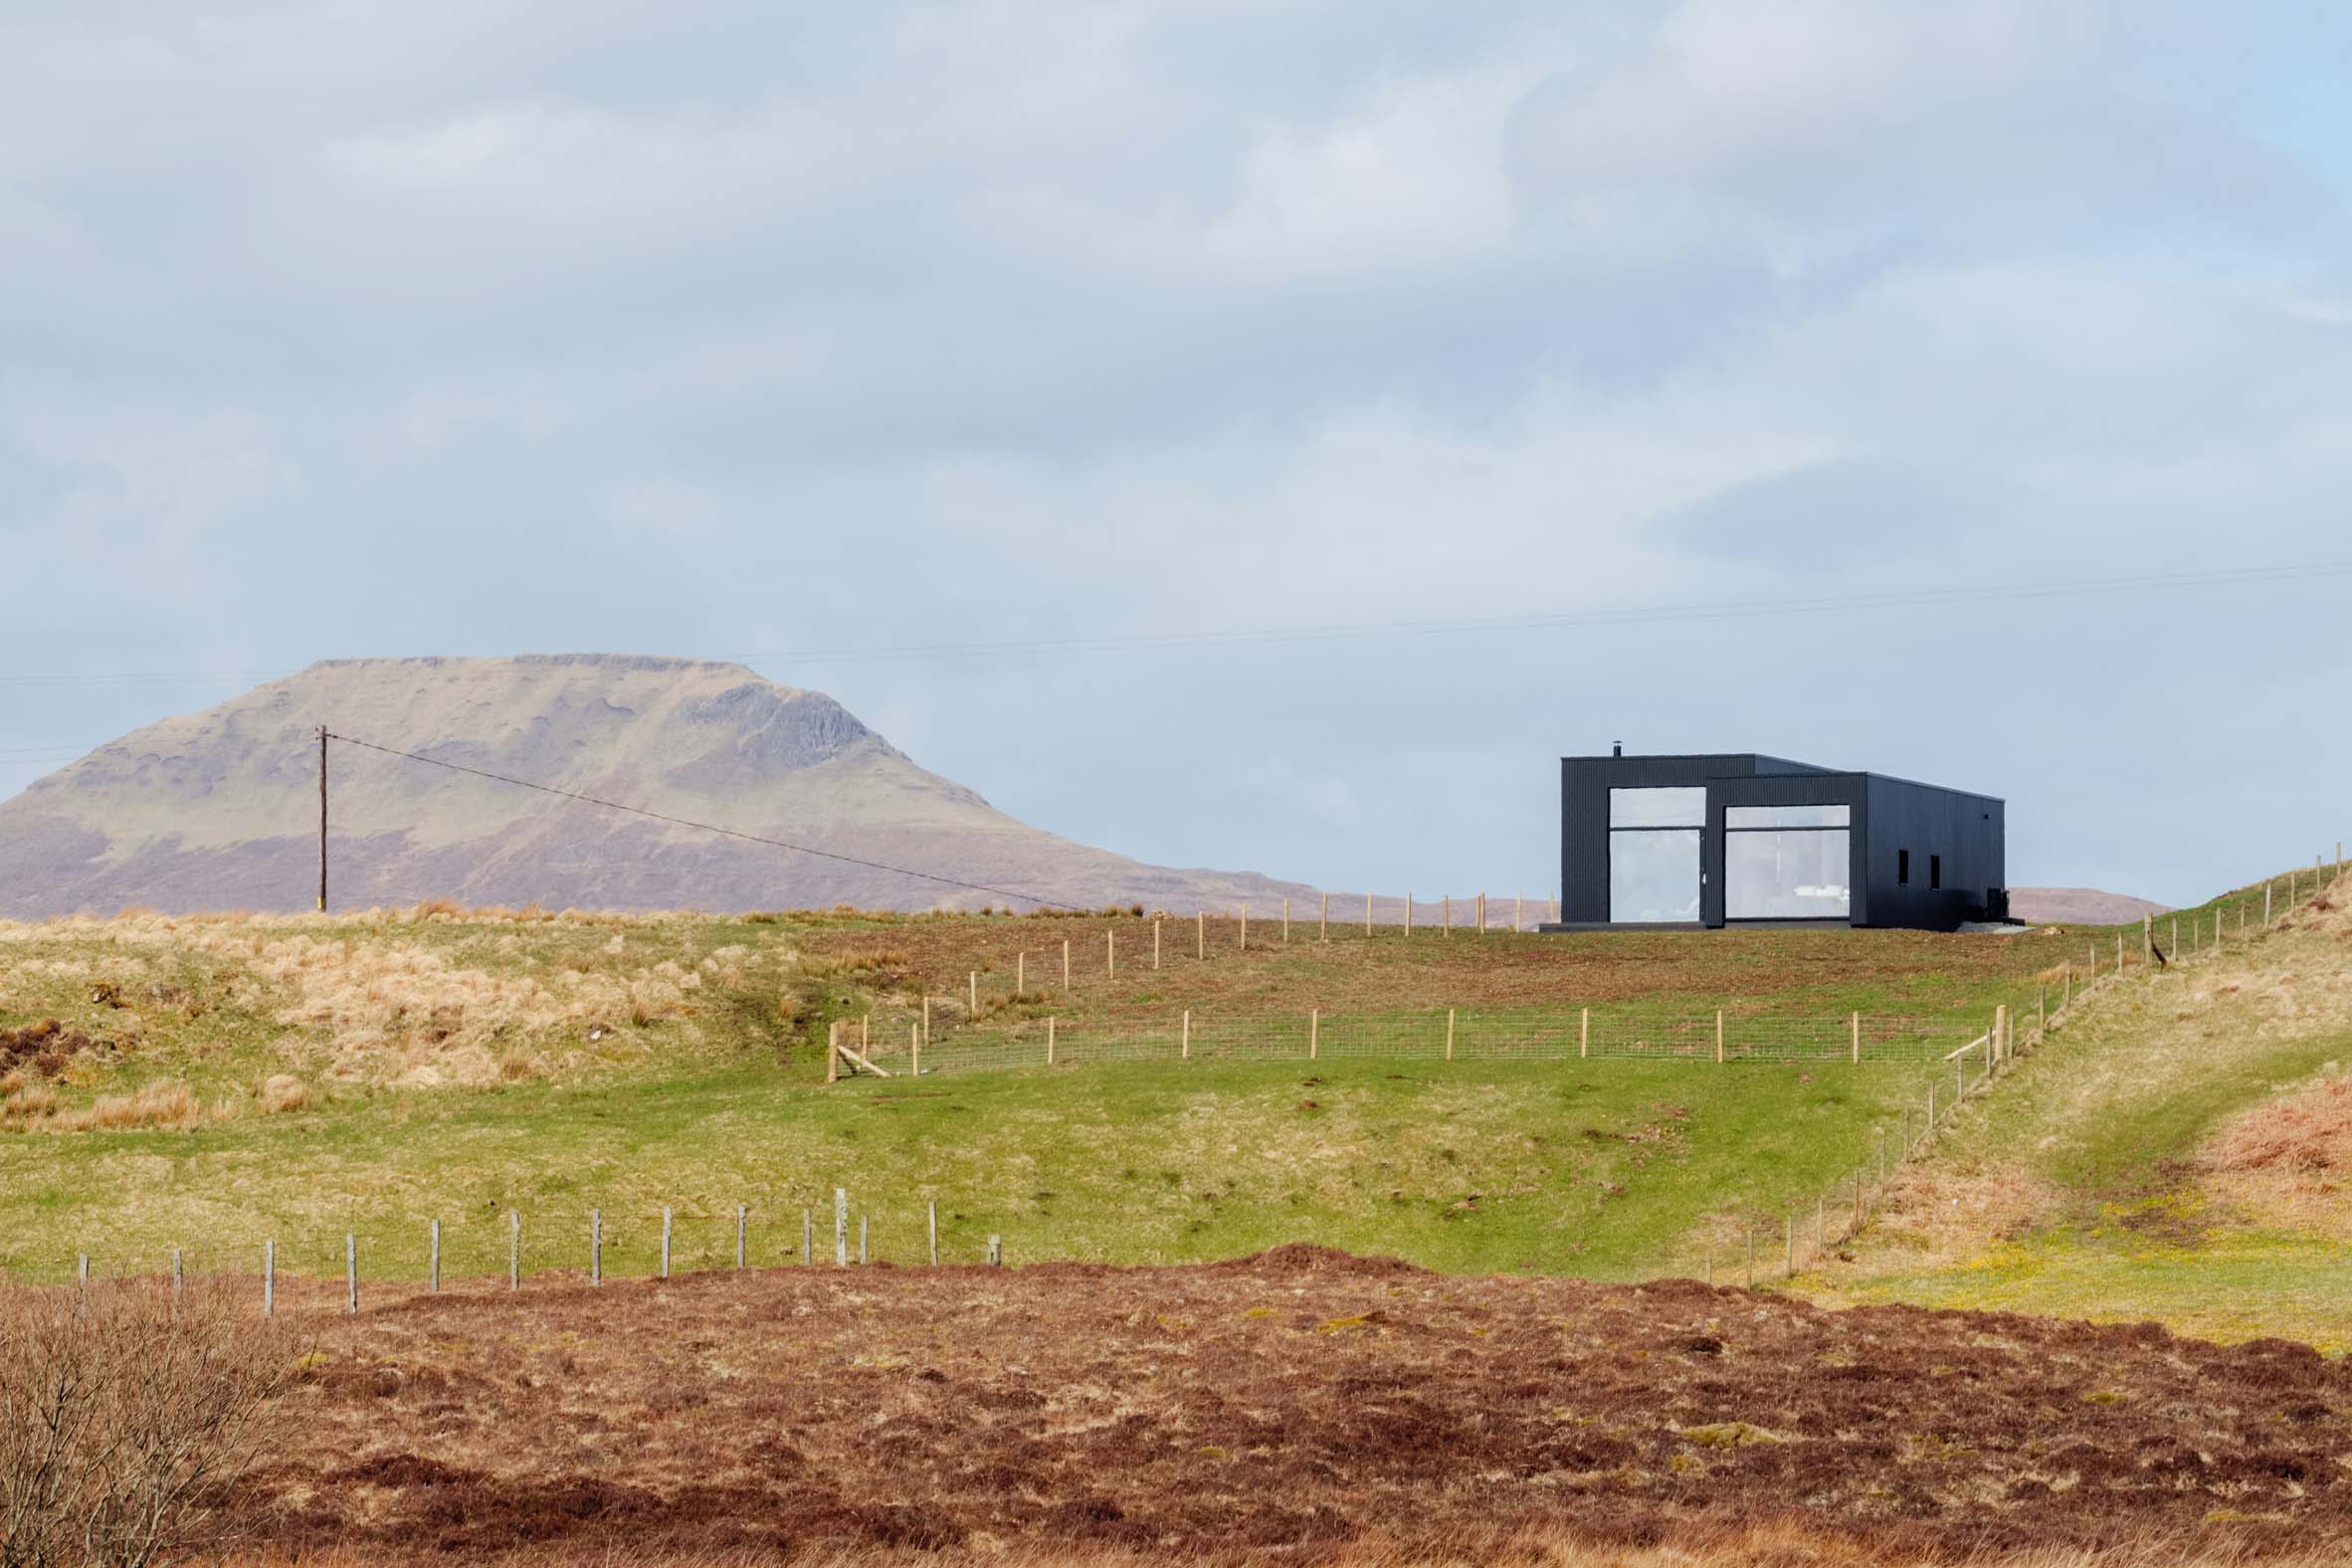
x,y
1739,837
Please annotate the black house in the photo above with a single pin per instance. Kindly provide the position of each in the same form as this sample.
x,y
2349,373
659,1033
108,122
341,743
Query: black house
x,y
1743,839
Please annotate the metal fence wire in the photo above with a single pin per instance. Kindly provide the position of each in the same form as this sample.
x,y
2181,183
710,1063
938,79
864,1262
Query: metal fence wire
x,y
892,1044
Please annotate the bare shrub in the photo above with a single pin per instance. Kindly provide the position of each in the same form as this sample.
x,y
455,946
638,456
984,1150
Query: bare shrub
x,y
124,1419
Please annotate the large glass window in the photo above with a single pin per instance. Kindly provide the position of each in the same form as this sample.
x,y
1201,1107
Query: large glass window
x,y
1654,855
1788,873
1654,875
1657,808
1788,816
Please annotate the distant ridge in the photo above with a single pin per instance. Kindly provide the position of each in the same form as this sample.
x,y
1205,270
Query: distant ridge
x,y
217,809
2078,906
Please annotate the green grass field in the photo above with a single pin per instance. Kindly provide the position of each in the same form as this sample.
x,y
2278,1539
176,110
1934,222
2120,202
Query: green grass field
x,y
212,1084
238,1080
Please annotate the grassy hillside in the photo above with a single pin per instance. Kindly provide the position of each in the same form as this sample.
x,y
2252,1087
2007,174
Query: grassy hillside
x,y
210,1082
2179,1153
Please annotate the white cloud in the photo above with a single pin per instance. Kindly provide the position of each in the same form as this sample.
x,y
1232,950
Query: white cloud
x,y
953,322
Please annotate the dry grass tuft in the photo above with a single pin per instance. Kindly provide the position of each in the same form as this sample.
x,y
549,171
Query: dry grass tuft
x,y
281,1091
2290,1160
854,962
2304,1132
163,1106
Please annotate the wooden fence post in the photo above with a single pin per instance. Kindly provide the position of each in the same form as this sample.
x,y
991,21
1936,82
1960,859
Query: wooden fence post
x,y
932,1221
1445,921
1049,1040
1718,1034
1482,914
1853,1024
807,1237
996,1252
433,1269
2266,887
1584,1032
972,994
1448,1034
350,1275
1184,1049
1518,912
1315,1031
664,1241
1021,972
833,1052
1065,963
1155,943
1110,955
860,1240
1408,914
926,1025
915,1049
1285,922
1200,934
1245,947
1324,933
840,1228
1367,915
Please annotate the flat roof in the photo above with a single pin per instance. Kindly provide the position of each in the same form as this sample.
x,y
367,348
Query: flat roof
x,y
1811,768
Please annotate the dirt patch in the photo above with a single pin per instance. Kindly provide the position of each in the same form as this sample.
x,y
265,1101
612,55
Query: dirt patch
x,y
2305,1132
2289,1161
47,1047
1298,1404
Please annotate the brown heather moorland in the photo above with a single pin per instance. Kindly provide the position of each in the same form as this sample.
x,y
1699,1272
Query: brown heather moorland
x,y
1297,1406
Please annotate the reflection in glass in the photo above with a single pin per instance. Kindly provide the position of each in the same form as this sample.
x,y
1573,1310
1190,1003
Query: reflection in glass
x,y
1788,816
1790,876
1658,807
1654,874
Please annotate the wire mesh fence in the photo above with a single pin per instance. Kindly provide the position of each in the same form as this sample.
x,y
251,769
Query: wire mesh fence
x,y
895,1043
317,1266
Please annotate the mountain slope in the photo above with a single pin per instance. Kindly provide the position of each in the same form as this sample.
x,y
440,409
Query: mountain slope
x,y
219,809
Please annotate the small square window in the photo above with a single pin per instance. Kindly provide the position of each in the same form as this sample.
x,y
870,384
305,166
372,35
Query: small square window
x,y
1902,868
1935,870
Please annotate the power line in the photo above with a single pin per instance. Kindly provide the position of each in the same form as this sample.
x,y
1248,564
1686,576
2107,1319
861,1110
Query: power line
x,y
707,827
1720,611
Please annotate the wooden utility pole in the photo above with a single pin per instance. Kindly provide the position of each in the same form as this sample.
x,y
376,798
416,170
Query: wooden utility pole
x,y
322,819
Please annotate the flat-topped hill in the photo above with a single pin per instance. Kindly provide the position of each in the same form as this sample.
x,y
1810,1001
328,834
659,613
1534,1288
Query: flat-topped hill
x,y
219,809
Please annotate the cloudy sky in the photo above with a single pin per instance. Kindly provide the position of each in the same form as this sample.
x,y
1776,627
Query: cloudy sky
x,y
1757,366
